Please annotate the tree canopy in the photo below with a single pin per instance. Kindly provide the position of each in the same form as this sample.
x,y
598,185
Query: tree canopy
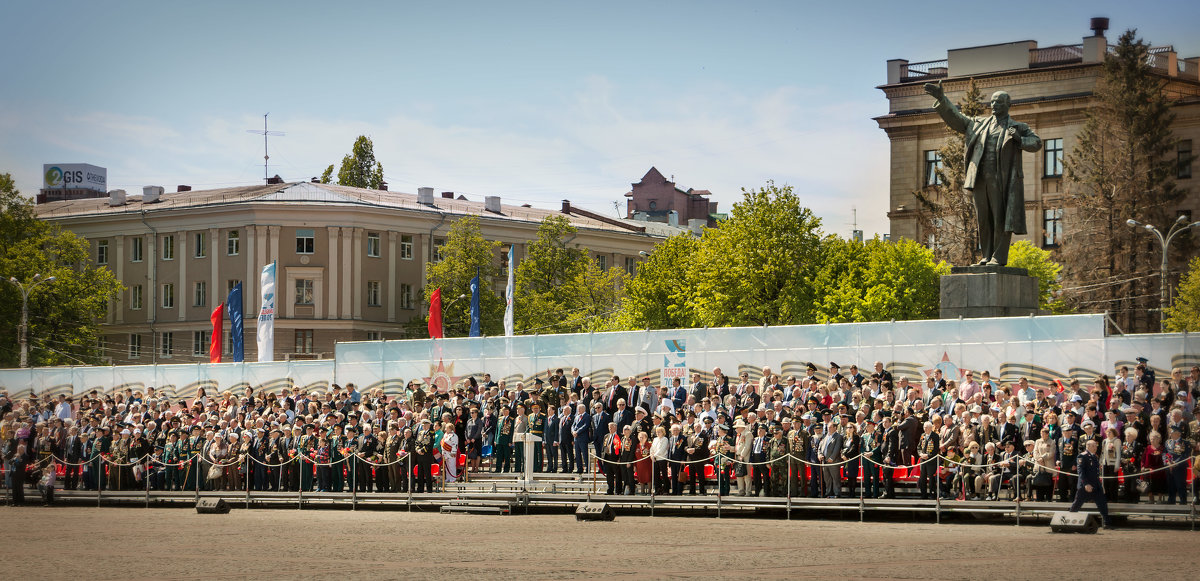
x,y
1022,254
464,254
1184,315
65,314
359,168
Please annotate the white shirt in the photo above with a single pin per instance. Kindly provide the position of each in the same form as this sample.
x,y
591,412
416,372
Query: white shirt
x,y
63,411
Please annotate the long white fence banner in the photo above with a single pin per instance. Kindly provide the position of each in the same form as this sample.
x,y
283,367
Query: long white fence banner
x,y
1040,348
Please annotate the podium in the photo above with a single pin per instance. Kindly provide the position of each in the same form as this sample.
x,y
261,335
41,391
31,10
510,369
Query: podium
x,y
530,440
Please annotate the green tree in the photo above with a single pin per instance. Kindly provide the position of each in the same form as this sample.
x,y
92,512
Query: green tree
x,y
1121,167
359,168
659,296
950,212
1022,254
1184,315
877,281
758,267
64,315
464,253
559,288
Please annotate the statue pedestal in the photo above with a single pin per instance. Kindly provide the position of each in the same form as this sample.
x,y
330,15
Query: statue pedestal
x,y
988,291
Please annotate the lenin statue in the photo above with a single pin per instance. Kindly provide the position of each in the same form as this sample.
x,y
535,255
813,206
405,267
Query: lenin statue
x,y
993,173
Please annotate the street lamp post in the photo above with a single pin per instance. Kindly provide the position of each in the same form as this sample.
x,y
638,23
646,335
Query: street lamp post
x,y
1180,225
23,329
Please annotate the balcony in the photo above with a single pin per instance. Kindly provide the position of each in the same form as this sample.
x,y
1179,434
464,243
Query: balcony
x,y
924,71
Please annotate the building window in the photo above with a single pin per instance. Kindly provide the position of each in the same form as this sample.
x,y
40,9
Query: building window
x,y
406,247
653,204
233,243
406,296
304,341
168,295
135,297
1052,227
229,284
602,262
933,163
372,293
166,344
102,252
304,291
373,336
373,244
135,249
438,243
168,247
200,294
1054,157
631,266
305,240
1183,153
200,343
135,346
227,344
201,242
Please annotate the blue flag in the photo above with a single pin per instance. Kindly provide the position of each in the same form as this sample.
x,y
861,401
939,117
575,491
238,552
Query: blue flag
x,y
233,305
475,305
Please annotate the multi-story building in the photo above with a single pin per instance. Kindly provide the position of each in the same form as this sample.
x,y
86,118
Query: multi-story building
x,y
657,199
1051,88
351,262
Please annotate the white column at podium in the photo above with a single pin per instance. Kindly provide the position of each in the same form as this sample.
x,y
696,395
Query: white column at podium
x,y
530,440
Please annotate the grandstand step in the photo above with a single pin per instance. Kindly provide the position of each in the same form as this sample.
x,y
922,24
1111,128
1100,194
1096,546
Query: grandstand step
x,y
475,509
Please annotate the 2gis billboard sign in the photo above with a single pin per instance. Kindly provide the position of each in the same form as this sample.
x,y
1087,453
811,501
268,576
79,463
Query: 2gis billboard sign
x,y
74,176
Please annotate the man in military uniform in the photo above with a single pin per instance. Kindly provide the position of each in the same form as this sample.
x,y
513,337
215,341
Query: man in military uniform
x,y
697,451
170,458
537,427
814,444
798,447
1089,483
927,451
188,453
872,459
305,446
418,398
723,448
393,477
503,443
423,452
1068,451
1178,450
777,456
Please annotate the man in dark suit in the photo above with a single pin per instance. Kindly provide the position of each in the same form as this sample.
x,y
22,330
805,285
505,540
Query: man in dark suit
x,y
73,453
614,394
550,439
566,440
623,416
699,390
758,457
600,421
1089,487
581,433
910,432
678,393
677,455
611,453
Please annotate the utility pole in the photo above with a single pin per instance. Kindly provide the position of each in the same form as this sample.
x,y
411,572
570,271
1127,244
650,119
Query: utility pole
x,y
265,134
23,328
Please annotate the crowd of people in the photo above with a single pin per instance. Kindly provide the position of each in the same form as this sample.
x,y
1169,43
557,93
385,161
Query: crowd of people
x,y
846,433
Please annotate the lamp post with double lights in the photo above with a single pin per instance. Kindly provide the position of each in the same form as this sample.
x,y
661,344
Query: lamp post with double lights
x,y
1179,226
23,329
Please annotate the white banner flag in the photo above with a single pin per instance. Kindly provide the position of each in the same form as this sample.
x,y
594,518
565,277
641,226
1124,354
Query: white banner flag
x,y
266,315
508,297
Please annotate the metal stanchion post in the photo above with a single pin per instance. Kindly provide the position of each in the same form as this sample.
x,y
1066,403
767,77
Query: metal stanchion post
x,y
593,463
1017,490
354,482
937,481
861,485
198,476
146,481
408,465
249,477
789,490
300,487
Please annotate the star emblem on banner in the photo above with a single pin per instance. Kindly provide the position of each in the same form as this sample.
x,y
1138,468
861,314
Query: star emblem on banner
x,y
441,376
949,369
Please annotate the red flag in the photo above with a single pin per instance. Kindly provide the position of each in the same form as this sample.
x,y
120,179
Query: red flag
x,y
435,314
218,332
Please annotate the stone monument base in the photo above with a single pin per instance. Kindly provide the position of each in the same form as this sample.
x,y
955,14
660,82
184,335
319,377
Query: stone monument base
x,y
988,291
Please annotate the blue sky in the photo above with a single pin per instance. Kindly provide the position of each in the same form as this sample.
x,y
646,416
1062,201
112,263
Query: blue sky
x,y
533,101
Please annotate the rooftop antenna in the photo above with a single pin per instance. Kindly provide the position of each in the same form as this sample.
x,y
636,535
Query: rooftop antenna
x,y
265,134
855,233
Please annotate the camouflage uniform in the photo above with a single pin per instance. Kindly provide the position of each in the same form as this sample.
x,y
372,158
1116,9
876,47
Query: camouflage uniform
x,y
777,451
797,441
